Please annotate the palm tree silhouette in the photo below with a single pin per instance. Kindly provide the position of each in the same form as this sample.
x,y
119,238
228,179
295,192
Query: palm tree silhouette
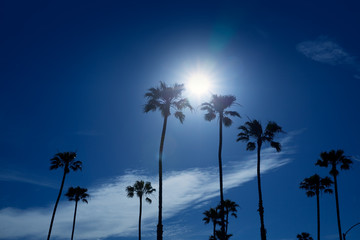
x,y
76,194
213,216
67,161
164,98
140,189
304,236
252,129
217,106
313,186
335,158
230,207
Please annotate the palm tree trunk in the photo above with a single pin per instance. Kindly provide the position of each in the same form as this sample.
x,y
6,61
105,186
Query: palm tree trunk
x,y
140,218
318,215
214,229
160,226
261,207
337,206
221,180
73,228
56,204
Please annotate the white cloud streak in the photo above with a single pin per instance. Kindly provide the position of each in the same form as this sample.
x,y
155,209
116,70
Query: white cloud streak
x,y
111,213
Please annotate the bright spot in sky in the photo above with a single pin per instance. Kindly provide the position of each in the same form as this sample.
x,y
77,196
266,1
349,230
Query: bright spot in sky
x,y
198,83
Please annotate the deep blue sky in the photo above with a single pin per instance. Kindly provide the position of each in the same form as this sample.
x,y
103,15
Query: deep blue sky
x,y
72,78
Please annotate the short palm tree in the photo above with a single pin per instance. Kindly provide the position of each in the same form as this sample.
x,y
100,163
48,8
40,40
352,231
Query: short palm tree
x,y
304,236
165,98
313,186
76,194
335,158
67,161
253,133
230,208
140,189
213,216
217,107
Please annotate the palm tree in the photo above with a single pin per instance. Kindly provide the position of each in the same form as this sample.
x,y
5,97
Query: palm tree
x,y
165,98
304,236
252,129
230,207
313,186
217,106
76,194
335,158
213,216
67,161
140,189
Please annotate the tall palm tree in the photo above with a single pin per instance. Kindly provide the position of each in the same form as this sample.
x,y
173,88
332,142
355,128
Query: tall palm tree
x,y
165,98
213,216
253,133
304,236
140,189
67,161
313,186
76,194
335,158
216,107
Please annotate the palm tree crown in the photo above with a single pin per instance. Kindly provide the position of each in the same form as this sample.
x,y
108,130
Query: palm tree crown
x,y
334,158
77,194
140,188
65,160
253,129
217,105
304,236
315,184
164,98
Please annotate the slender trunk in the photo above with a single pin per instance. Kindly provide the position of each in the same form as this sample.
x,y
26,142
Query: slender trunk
x,y
160,226
261,207
318,214
221,181
56,204
73,229
226,221
214,229
140,218
337,206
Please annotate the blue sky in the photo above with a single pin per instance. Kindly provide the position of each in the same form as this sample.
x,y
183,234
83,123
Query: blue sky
x,y
73,76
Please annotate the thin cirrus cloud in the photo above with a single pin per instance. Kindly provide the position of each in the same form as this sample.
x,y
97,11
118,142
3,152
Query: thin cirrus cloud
x,y
326,51
111,214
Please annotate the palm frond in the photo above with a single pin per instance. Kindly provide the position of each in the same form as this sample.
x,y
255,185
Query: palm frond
x,y
232,113
227,122
210,116
180,115
250,146
148,200
276,145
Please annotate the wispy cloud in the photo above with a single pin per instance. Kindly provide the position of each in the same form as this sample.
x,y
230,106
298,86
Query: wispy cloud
x,y
14,176
111,213
326,51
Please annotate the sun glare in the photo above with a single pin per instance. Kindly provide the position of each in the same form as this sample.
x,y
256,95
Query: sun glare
x,y
199,83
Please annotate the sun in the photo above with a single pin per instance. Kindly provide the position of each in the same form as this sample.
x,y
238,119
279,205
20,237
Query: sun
x,y
199,83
